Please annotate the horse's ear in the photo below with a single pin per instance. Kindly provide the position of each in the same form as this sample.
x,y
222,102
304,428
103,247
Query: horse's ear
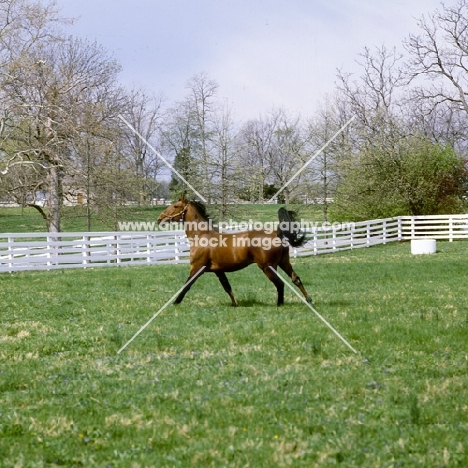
x,y
183,198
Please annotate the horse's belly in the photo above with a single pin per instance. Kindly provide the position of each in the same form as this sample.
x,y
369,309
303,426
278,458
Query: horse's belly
x,y
227,261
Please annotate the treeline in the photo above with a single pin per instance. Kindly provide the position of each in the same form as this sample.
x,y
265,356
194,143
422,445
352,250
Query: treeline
x,y
61,138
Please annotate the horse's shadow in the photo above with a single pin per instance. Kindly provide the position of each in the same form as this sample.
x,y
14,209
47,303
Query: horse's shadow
x,y
337,303
252,303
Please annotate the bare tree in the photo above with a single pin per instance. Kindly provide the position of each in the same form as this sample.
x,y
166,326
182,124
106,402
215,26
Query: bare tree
x,y
256,145
374,96
177,140
288,154
144,113
272,149
203,106
224,159
53,89
322,177
188,135
25,27
440,54
397,164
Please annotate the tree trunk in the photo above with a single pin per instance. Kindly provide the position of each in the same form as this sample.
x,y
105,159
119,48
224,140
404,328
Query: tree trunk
x,y
55,199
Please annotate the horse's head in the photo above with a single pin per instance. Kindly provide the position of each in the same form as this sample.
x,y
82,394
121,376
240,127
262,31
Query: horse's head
x,y
175,212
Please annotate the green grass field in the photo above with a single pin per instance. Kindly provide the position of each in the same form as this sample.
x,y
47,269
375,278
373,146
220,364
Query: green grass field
x,y
73,219
254,386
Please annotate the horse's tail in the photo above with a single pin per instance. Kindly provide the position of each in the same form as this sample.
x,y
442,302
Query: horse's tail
x,y
289,228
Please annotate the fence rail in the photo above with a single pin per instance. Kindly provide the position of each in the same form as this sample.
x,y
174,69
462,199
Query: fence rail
x,y
46,251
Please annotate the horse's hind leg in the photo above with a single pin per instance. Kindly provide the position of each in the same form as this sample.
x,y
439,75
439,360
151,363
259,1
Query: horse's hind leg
x,y
286,266
227,287
273,277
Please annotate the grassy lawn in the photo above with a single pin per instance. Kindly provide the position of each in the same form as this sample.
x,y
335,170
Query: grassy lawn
x,y
74,218
260,386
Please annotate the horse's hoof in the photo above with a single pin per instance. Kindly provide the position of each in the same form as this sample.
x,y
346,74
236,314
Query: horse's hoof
x,y
309,300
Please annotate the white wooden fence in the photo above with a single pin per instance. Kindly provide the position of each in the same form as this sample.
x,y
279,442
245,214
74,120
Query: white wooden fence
x,y
382,231
46,251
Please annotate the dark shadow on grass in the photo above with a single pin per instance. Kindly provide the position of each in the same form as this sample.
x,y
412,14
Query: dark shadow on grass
x,y
250,302
337,303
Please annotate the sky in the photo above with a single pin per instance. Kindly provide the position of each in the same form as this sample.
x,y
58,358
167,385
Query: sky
x,y
264,54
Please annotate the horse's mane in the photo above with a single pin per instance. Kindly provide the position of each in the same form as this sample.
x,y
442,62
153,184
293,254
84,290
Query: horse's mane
x,y
200,207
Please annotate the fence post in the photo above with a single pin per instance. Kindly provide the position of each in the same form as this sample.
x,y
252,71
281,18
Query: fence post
x,y
450,229
85,249
315,241
148,247
400,228
384,233
176,248
10,253
117,248
49,249
113,250
368,234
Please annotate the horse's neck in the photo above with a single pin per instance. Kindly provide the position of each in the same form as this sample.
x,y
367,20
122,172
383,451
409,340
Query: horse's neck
x,y
195,224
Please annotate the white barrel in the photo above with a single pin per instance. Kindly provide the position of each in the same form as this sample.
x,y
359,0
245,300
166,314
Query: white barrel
x,y
423,246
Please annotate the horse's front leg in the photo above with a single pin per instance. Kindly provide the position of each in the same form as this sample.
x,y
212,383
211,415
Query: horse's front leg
x,y
195,273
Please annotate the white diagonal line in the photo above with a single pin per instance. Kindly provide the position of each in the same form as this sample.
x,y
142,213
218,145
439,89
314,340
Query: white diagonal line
x,y
313,310
311,159
192,279
158,154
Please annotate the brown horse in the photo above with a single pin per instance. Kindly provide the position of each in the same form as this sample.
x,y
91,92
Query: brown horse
x,y
221,252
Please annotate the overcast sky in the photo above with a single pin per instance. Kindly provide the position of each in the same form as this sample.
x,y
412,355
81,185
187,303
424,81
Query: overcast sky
x,y
262,53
